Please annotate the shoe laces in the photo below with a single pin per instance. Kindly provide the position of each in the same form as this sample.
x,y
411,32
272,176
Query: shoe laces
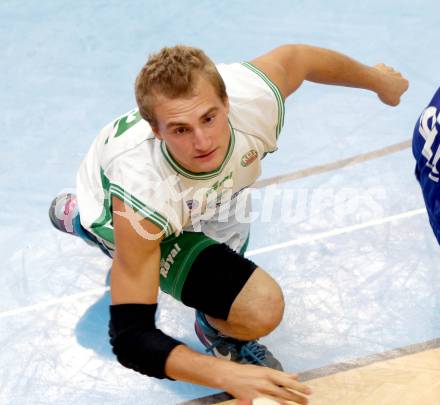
x,y
254,351
229,343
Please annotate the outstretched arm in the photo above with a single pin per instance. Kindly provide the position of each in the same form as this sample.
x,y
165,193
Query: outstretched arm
x,y
139,345
289,65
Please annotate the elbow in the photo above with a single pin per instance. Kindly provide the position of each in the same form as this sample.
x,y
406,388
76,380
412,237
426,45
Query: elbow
x,y
295,50
144,352
135,340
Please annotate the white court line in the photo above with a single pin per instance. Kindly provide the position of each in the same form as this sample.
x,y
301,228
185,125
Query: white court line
x,y
339,164
56,301
307,239
335,232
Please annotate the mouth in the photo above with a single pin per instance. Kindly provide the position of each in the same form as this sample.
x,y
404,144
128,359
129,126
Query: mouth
x,y
207,155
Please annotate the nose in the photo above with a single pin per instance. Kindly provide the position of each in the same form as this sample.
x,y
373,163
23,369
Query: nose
x,y
202,141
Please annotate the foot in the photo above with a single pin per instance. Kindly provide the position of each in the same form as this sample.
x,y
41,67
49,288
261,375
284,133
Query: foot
x,y
64,215
224,347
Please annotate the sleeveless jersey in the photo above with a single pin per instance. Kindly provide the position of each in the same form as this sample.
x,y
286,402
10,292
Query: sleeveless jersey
x,y
128,162
426,150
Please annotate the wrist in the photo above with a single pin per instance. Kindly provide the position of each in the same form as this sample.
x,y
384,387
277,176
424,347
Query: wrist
x,y
377,80
184,364
225,373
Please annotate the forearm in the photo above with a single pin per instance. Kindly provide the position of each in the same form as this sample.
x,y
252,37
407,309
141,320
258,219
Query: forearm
x,y
289,65
184,364
329,67
242,381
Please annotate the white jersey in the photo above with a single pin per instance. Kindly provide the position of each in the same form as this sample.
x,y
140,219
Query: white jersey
x,y
128,162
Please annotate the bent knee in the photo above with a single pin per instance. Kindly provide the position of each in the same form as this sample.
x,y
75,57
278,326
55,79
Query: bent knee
x,y
270,310
260,304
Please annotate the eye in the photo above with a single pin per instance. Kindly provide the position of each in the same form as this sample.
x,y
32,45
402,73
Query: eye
x,y
180,130
209,119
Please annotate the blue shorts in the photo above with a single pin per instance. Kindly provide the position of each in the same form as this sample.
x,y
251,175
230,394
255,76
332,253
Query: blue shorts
x,y
426,150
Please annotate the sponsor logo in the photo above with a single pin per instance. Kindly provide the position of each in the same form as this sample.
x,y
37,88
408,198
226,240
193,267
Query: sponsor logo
x,y
221,356
249,157
217,353
218,184
165,264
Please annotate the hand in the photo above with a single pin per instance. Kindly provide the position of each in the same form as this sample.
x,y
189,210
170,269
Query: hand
x,y
249,382
392,85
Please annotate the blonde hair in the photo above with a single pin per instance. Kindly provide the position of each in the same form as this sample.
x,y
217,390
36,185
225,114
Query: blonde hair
x,y
173,72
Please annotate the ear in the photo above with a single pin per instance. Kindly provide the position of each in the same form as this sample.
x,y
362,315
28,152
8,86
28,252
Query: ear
x,y
226,103
156,133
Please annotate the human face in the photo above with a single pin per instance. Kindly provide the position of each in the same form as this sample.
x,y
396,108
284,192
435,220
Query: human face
x,y
195,129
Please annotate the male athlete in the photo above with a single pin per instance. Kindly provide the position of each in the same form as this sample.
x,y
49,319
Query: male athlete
x,y
426,150
162,191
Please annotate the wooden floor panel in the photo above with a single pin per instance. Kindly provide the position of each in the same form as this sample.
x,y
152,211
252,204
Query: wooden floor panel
x,y
408,380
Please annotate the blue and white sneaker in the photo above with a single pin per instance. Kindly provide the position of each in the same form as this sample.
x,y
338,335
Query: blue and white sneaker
x,y
227,348
64,215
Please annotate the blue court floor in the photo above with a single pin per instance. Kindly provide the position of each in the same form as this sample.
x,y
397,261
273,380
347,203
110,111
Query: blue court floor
x,y
356,258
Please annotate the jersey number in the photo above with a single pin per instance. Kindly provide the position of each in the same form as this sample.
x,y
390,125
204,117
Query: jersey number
x,y
126,122
428,130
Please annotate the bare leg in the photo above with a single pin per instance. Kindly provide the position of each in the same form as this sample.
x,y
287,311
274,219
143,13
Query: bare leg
x,y
256,311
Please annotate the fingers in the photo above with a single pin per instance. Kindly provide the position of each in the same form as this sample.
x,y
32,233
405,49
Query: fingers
x,y
285,386
290,381
388,70
383,67
283,394
256,381
393,85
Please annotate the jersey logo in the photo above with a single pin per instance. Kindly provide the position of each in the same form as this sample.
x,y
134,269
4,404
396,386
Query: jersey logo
x,y
216,186
249,157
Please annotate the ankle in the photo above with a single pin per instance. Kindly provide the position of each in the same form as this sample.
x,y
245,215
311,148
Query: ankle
x,y
203,319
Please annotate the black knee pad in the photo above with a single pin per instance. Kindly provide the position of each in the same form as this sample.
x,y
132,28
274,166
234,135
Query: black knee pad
x,y
216,278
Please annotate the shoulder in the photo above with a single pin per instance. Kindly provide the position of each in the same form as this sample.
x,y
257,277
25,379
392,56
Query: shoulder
x,y
128,134
256,103
246,77
250,89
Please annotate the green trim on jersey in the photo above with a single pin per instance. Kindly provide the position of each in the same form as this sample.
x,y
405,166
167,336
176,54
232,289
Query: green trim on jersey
x,y
143,209
276,91
103,226
200,176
